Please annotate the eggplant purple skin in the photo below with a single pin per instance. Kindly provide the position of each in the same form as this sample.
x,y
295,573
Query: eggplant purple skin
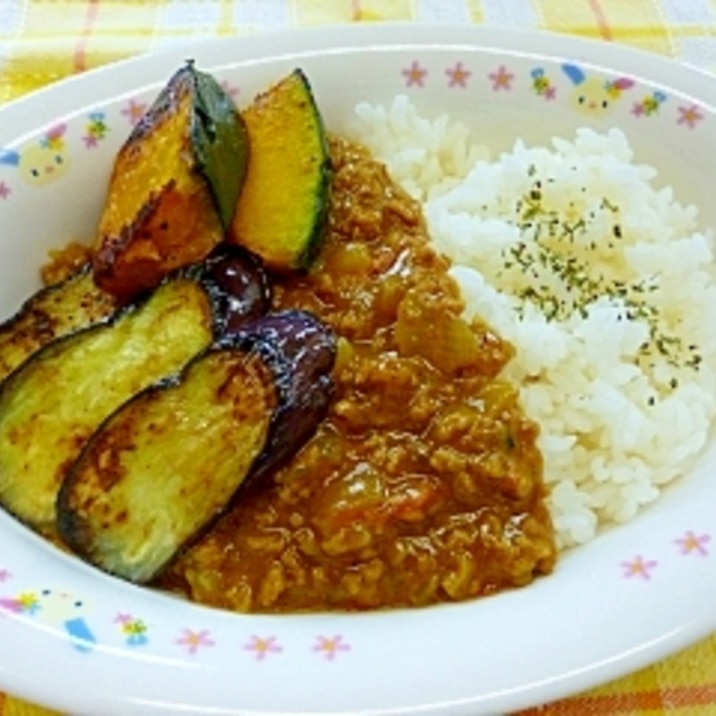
x,y
300,351
238,287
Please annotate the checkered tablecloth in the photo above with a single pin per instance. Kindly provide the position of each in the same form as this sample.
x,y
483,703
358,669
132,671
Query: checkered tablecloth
x,y
42,41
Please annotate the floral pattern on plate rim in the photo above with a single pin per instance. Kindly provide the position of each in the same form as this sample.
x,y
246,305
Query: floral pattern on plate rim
x,y
46,159
71,615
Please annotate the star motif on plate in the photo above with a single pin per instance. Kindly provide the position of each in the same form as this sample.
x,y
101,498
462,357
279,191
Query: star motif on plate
x,y
692,543
458,75
330,647
689,116
638,567
638,109
134,111
195,640
415,75
501,79
263,646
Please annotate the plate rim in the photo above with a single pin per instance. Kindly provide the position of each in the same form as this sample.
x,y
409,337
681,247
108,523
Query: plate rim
x,y
352,36
300,40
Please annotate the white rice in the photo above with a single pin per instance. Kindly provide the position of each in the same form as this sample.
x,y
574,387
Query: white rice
x,y
616,426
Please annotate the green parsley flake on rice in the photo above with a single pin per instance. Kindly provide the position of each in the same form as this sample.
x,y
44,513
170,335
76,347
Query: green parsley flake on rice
x,y
602,282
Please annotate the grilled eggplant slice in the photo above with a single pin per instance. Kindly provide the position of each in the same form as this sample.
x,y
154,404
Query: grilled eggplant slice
x,y
54,401
300,350
54,311
241,288
51,405
166,463
174,186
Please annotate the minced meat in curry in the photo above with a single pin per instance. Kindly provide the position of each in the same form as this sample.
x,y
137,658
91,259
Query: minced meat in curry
x,y
424,482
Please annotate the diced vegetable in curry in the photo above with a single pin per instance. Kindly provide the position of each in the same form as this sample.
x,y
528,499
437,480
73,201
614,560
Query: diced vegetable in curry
x,y
299,419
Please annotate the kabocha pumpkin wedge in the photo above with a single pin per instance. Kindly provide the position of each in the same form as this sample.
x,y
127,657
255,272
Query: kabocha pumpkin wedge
x,y
52,403
54,311
166,463
283,206
174,185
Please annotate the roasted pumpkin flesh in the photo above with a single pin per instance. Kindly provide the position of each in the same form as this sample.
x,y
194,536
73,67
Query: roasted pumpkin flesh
x,y
283,206
173,188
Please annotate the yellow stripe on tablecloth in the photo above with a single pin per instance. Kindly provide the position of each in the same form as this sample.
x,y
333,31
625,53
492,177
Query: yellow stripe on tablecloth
x,y
114,30
54,17
637,22
15,707
383,10
695,668
25,71
323,12
225,26
476,14
61,38
684,684
311,12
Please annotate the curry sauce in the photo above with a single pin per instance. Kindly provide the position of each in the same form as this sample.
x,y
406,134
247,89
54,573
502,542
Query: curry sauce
x,y
424,482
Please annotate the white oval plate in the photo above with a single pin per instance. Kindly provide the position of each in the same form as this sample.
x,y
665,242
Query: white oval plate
x,y
77,640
